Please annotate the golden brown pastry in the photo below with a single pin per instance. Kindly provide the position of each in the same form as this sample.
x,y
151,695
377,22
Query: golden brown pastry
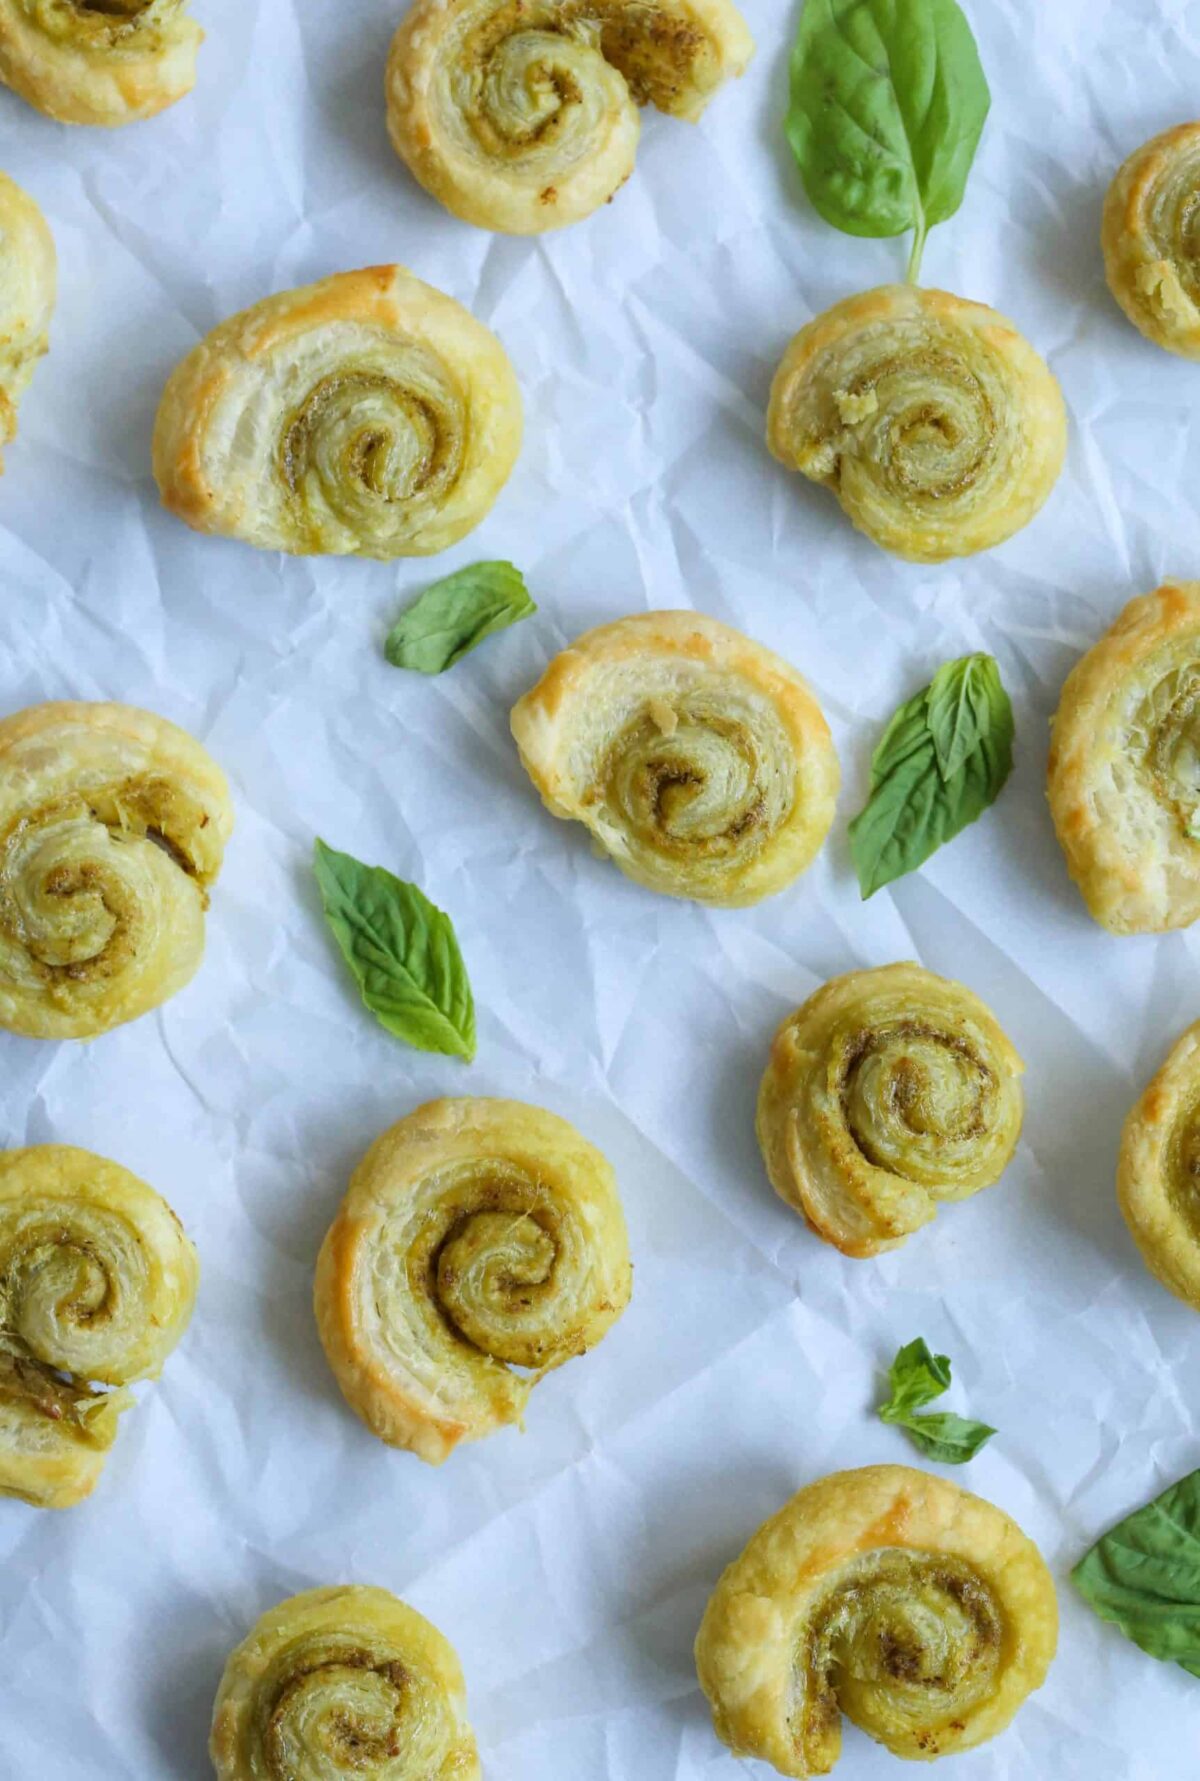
x,y
28,287
522,115
934,422
343,1682
888,1093
1158,1174
1151,239
98,61
97,1282
919,1611
700,762
368,415
477,1237
1123,783
113,823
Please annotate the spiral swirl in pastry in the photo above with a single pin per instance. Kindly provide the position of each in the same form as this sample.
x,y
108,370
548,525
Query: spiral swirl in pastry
x,y
522,115
1124,777
476,1237
1158,1174
112,828
1151,239
97,1282
98,61
368,415
343,1682
934,422
919,1611
888,1092
700,762
28,287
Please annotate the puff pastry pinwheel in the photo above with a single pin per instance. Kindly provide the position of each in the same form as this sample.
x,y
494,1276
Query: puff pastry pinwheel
x,y
1158,1174
113,823
700,761
934,422
1151,239
919,1611
343,1682
888,1093
1123,783
28,287
368,415
522,115
476,1237
98,61
97,1282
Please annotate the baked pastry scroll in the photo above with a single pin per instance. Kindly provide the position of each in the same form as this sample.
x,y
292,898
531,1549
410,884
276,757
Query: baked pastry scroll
x,y
368,415
1151,239
97,1282
933,421
1123,784
889,1093
98,61
700,761
919,1611
28,288
522,115
113,824
477,1237
343,1682
1158,1174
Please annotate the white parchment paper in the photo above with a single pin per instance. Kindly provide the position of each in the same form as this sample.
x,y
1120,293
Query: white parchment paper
x,y
570,1565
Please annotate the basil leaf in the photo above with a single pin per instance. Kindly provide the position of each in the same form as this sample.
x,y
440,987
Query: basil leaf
x,y
888,102
966,703
455,615
949,1440
402,951
1144,1575
916,1377
942,760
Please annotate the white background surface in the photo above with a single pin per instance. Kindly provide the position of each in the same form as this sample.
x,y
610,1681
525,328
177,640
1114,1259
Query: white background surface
x,y
570,1565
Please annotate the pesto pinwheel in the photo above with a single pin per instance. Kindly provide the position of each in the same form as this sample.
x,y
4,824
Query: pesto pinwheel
x,y
888,1094
920,1612
113,825
480,1245
28,288
368,415
522,115
932,420
1158,1171
98,61
343,1682
97,1283
701,762
1151,239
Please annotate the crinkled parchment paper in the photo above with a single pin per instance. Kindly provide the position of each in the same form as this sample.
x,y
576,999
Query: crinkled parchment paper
x,y
570,1564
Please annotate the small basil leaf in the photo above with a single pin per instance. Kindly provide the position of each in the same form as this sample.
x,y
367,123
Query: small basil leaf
x,y
455,615
916,805
888,102
949,1440
967,703
402,951
916,1377
1144,1575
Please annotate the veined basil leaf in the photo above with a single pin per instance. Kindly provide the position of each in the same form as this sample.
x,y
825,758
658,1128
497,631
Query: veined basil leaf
x,y
1144,1575
942,760
888,102
916,1377
402,951
455,615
